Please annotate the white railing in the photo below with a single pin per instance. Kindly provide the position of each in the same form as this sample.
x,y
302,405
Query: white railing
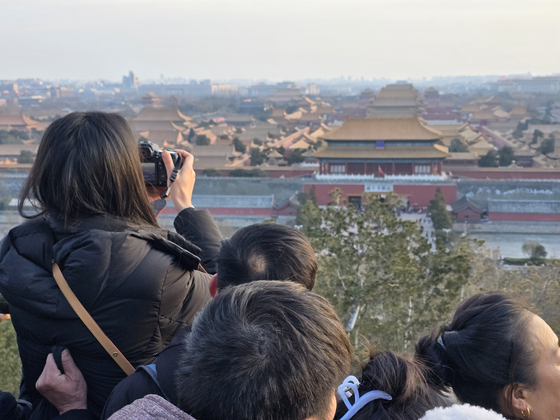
x,y
358,177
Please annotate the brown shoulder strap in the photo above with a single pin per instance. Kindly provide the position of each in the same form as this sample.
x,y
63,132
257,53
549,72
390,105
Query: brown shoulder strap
x,y
89,322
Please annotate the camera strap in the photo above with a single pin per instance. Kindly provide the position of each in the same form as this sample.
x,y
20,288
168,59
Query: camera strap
x,y
171,181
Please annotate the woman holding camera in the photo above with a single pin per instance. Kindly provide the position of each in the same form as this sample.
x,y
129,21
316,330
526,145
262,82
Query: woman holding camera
x,y
140,283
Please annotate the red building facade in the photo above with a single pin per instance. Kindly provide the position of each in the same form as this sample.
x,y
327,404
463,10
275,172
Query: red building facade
x,y
381,147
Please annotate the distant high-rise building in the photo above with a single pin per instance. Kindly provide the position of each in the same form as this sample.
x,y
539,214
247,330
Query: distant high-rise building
x,y
130,82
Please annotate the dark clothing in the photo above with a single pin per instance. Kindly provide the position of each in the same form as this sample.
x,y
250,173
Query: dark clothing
x,y
199,227
140,285
142,383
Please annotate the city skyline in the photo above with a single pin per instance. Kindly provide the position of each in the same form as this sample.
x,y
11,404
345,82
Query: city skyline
x,y
215,39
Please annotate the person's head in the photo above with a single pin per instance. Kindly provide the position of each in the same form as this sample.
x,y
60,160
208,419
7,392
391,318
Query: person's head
x,y
266,252
497,354
404,380
88,163
264,350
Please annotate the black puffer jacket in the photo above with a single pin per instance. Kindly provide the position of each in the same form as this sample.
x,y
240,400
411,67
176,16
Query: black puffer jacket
x,y
140,286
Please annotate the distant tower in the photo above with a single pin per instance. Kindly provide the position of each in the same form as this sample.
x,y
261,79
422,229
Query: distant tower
x,y
130,82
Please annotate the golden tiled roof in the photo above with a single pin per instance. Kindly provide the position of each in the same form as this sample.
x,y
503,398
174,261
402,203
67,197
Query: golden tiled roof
x,y
374,129
161,114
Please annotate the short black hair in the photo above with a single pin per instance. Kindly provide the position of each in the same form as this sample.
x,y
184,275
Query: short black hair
x,y
267,252
404,380
266,350
485,348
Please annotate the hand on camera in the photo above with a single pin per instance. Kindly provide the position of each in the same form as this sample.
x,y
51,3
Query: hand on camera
x,y
66,391
182,188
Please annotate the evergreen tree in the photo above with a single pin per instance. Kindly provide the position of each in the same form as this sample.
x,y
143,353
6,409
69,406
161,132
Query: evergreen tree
x,y
506,156
489,160
238,145
441,218
257,157
380,273
202,140
457,146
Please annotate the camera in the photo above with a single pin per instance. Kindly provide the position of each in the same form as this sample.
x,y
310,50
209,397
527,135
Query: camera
x,y
153,168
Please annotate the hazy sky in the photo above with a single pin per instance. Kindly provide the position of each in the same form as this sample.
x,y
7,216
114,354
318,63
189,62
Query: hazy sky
x,y
277,40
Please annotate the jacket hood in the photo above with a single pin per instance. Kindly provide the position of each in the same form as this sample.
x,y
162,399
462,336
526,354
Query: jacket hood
x,y
462,412
90,254
151,407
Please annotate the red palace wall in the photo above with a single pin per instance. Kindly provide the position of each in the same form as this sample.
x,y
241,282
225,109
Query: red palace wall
x,y
419,195
519,174
322,191
523,217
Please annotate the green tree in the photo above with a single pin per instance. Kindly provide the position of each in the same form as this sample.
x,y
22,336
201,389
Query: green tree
x,y
506,156
257,157
238,145
211,172
380,274
248,173
290,109
202,140
537,134
547,146
10,363
303,198
489,160
191,136
457,146
8,138
26,156
441,218
534,250
22,135
296,157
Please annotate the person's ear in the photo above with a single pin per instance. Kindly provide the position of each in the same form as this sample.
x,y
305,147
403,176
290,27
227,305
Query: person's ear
x,y
518,397
213,285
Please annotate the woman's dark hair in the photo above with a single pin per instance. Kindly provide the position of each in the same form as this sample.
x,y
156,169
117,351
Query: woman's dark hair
x,y
88,164
404,380
483,350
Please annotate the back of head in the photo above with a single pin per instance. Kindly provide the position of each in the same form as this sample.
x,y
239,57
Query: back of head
x,y
263,350
482,350
88,164
266,252
404,380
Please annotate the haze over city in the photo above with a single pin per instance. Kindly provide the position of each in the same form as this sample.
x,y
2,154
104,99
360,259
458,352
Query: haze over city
x,y
273,40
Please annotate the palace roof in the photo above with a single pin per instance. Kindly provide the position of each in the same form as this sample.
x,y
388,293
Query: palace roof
x,y
162,137
155,125
374,129
463,156
371,152
395,101
161,114
278,112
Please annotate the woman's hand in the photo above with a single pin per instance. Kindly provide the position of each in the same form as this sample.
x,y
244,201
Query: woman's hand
x,y
182,188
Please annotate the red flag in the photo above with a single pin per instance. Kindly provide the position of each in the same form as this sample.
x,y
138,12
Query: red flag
x,y
381,170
